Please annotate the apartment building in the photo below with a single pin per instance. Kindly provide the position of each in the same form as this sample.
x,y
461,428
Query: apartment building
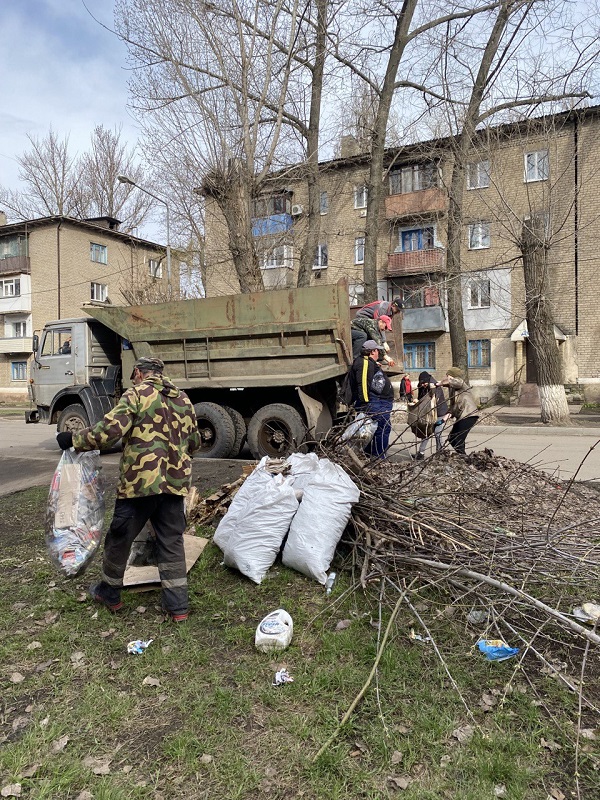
x,y
543,167
50,267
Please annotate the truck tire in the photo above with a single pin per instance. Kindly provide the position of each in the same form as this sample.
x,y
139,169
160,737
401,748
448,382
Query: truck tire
x,y
73,418
240,431
275,430
217,431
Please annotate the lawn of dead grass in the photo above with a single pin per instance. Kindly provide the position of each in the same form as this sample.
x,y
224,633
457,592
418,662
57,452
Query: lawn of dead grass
x,y
77,716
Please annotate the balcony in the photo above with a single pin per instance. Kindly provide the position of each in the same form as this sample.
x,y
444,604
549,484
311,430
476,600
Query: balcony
x,y
414,262
16,344
272,225
429,319
412,204
13,264
18,304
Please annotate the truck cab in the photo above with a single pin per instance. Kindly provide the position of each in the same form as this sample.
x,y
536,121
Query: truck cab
x,y
75,377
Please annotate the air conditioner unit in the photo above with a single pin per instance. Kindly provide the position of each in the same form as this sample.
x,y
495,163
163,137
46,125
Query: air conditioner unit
x,y
363,213
297,210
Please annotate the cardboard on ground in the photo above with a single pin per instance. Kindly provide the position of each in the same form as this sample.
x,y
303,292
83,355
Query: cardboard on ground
x,y
147,577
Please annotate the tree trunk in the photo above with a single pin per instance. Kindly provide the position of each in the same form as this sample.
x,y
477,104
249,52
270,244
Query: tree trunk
x,y
456,321
375,181
311,241
540,322
232,193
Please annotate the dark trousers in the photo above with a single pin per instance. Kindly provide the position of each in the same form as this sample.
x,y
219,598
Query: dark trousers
x,y
458,434
165,512
358,339
379,410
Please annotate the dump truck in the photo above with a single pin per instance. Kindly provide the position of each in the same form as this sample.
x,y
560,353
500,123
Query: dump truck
x,y
262,367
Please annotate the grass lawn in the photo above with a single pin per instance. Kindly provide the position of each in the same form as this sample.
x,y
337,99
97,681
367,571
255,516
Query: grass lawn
x,y
79,720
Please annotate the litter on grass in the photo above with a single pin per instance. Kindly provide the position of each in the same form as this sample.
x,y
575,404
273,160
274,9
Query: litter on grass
x,y
496,649
282,676
138,646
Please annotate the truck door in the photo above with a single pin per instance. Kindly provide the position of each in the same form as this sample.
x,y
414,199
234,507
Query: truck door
x,y
54,368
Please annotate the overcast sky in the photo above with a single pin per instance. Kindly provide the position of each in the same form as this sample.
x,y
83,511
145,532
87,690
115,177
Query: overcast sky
x,y
59,68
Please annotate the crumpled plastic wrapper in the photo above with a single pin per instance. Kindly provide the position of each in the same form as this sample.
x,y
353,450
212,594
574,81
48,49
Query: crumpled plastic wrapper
x,y
138,646
282,676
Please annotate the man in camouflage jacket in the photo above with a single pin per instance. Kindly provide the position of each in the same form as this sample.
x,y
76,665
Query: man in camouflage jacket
x,y
157,424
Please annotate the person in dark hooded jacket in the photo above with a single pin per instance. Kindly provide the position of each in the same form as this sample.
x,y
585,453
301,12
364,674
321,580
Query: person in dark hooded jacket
x,y
427,385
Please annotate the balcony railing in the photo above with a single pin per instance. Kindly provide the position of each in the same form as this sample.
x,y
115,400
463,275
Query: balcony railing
x,y
414,262
422,320
411,204
13,264
274,224
16,344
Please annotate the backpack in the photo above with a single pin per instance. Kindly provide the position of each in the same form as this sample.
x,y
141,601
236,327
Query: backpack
x,y
346,390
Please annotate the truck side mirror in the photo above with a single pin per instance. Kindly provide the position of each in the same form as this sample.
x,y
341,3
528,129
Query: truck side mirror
x,y
35,344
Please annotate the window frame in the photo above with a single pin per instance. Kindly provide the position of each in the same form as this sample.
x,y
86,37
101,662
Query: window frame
x,y
471,241
157,273
21,367
411,363
477,284
428,230
361,196
103,286
97,249
324,203
321,258
541,156
480,172
423,176
16,288
359,248
287,261
483,348
21,324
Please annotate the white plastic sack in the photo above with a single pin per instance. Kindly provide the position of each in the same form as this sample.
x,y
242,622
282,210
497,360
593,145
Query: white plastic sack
x,y
320,521
302,467
361,430
261,526
253,483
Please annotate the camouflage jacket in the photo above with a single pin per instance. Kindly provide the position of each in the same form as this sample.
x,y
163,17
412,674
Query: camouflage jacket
x,y
370,327
158,426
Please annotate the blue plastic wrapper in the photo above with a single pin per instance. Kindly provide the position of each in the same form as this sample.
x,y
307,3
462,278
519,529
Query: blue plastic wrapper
x,y
138,646
496,649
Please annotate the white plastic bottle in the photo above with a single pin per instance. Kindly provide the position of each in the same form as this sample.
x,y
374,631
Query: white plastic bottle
x,y
274,632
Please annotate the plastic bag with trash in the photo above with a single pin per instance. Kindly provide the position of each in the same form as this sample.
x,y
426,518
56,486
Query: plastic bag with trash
x,y
75,512
496,649
361,430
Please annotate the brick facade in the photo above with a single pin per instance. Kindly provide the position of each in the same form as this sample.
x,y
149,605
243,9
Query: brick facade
x,y
61,274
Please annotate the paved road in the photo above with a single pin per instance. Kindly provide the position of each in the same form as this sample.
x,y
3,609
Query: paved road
x,y
29,453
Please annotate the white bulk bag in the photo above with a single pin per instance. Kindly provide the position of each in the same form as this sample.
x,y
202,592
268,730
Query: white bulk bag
x,y
320,521
258,477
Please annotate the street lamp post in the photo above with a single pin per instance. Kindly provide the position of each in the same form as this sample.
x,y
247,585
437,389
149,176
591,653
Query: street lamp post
x,y
124,179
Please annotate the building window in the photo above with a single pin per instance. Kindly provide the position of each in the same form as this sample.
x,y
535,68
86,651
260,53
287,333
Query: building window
x,y
359,250
479,293
413,178
11,246
478,175
419,356
320,261
360,196
99,253
19,330
280,256
416,239
10,287
479,353
18,370
324,205
536,166
99,292
479,235
271,205
420,296
155,268
356,292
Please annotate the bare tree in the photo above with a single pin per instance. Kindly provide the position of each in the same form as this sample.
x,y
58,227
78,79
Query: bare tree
x,y
540,321
47,171
98,192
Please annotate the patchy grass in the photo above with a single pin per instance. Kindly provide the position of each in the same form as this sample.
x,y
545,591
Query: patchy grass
x,y
216,728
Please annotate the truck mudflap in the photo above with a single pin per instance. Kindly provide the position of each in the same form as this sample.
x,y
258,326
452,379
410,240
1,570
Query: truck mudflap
x,y
318,414
32,416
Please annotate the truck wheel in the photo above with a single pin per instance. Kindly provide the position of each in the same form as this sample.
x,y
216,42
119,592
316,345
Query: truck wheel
x,y
217,431
240,431
275,430
73,419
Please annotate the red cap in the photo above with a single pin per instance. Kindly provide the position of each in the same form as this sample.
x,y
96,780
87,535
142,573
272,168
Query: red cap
x,y
387,320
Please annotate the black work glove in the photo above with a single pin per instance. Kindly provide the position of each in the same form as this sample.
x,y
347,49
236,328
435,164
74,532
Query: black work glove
x,y
65,440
